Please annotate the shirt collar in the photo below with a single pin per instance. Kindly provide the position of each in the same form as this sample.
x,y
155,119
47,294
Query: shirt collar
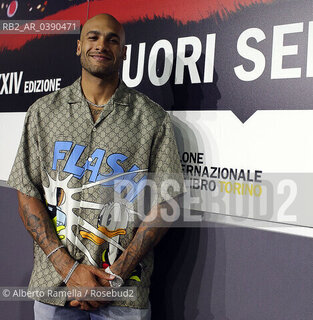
x,y
120,96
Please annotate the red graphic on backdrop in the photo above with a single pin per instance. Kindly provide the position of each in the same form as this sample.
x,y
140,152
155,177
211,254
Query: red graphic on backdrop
x,y
181,11
12,8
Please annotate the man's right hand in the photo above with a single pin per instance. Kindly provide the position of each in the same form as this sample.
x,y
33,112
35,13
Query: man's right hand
x,y
86,276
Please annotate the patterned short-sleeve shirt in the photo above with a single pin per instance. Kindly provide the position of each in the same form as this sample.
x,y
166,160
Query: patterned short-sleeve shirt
x,y
92,175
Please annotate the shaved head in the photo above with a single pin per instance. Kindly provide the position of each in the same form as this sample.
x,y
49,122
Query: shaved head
x,y
107,17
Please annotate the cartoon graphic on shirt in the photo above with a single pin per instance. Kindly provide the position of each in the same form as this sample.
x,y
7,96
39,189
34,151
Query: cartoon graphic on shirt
x,y
58,217
112,220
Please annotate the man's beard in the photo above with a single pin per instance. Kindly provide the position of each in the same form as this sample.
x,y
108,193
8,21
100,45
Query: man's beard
x,y
102,72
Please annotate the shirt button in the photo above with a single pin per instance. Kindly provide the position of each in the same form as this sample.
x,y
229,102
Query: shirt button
x,y
90,159
94,129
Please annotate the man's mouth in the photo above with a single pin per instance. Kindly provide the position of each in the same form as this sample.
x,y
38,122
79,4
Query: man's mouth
x,y
100,57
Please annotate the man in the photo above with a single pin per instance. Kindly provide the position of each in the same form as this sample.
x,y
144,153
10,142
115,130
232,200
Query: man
x,y
82,148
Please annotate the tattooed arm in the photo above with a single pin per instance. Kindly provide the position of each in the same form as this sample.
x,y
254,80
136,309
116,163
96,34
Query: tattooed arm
x,y
149,233
38,223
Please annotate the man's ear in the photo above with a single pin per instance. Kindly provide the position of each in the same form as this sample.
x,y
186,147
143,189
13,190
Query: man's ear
x,y
78,50
124,52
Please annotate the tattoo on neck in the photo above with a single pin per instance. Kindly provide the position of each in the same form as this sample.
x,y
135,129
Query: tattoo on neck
x,y
95,112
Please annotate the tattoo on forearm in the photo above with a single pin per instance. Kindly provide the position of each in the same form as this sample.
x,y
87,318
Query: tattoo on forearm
x,y
62,261
147,236
41,229
38,223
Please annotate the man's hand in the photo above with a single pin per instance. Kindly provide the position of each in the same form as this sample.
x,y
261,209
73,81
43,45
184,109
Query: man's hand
x,y
86,276
89,276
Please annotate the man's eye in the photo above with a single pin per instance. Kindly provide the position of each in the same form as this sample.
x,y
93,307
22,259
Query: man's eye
x,y
92,38
114,40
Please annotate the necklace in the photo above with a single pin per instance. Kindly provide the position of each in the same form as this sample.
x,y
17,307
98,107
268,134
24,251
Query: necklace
x,y
95,105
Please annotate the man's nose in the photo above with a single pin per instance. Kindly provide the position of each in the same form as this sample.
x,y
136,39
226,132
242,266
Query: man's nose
x,y
102,45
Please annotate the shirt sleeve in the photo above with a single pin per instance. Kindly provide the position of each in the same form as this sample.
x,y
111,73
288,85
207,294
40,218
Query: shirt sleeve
x,y
25,175
165,166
